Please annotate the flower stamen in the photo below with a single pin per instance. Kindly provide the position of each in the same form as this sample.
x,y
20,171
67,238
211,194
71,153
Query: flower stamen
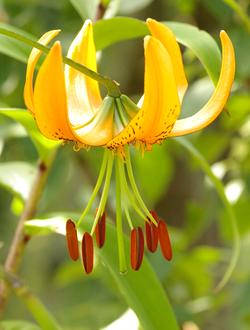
x,y
87,252
152,236
100,231
72,242
164,239
136,248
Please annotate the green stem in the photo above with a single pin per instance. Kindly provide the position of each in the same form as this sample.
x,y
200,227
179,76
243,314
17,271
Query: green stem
x,y
232,218
97,187
20,239
135,189
111,85
33,303
105,191
119,230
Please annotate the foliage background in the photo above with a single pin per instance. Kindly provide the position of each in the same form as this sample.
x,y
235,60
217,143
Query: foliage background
x,y
170,181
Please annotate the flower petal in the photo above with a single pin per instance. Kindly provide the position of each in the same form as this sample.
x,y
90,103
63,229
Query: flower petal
x,y
50,105
167,38
160,107
216,103
83,92
32,61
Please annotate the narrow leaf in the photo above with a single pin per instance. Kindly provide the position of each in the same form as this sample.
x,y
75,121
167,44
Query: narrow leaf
x,y
142,290
17,177
218,186
42,144
13,47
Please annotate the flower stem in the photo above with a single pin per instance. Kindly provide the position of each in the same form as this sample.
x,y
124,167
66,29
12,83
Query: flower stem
x,y
135,189
33,303
105,191
97,187
228,207
119,230
111,85
20,239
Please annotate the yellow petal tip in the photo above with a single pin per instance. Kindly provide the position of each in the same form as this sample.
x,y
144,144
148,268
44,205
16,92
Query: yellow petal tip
x,y
150,21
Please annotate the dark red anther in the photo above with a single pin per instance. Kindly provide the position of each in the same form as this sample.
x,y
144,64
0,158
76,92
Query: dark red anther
x,y
164,239
151,236
136,248
87,252
72,242
154,215
152,233
100,231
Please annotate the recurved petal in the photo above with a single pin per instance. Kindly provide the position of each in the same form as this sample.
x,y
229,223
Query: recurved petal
x,y
32,61
50,105
216,103
83,92
167,38
160,107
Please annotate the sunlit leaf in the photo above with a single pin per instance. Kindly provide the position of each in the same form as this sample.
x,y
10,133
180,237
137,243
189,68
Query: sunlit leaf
x,y
42,144
131,6
142,290
13,47
109,31
85,8
17,178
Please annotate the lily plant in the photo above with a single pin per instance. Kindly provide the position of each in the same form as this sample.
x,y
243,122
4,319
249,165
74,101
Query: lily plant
x,y
67,105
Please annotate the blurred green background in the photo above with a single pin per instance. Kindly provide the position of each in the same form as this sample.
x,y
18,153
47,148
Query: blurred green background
x,y
170,181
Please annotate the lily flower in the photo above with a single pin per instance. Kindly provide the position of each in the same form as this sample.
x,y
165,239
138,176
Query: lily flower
x,y
67,105
165,86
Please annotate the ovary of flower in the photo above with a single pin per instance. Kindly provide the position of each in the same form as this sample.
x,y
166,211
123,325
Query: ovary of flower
x,y
67,104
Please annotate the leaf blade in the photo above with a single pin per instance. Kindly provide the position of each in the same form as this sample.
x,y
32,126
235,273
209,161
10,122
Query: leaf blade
x,y
142,290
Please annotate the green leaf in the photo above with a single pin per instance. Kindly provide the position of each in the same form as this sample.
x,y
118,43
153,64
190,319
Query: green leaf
x,y
17,177
157,161
231,217
13,47
43,145
130,6
142,290
18,325
202,44
110,31
85,8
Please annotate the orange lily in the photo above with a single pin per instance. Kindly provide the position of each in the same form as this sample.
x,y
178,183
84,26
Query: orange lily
x,y
67,105
165,86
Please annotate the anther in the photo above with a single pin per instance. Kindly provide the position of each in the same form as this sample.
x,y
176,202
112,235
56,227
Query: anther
x,y
87,252
72,242
136,248
152,236
164,239
100,231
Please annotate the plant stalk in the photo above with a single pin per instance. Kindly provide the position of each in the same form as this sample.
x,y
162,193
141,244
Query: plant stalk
x,y
111,85
20,239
